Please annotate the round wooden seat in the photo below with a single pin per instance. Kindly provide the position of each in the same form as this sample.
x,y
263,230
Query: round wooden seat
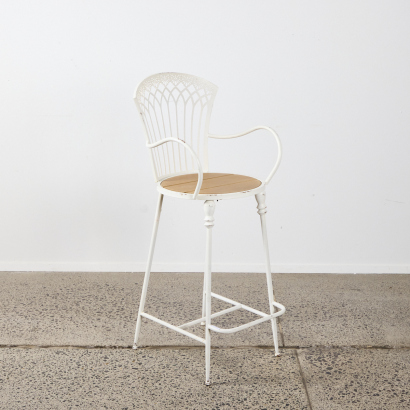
x,y
213,183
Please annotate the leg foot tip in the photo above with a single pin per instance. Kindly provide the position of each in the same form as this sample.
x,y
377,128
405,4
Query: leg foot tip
x,y
134,346
277,354
208,383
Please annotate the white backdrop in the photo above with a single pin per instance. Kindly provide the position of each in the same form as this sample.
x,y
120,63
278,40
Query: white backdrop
x,y
332,78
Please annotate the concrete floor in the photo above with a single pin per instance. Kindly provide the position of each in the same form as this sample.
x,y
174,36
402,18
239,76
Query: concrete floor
x,y
65,342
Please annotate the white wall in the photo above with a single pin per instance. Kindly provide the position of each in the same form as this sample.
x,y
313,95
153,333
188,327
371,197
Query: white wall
x,y
331,77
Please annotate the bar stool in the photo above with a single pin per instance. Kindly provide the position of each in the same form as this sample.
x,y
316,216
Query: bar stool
x,y
175,110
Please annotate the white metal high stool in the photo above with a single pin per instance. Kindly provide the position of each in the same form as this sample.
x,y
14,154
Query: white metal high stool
x,y
175,110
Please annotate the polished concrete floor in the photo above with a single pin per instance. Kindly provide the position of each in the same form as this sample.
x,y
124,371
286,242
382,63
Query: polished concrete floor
x,y
66,342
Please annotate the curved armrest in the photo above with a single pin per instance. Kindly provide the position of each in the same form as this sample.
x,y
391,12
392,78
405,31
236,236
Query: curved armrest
x,y
261,127
187,147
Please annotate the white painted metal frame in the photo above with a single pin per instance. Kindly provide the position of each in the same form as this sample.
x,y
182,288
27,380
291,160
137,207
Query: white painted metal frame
x,y
159,99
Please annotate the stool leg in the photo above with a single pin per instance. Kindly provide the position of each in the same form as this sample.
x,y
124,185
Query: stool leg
x,y
209,208
262,209
148,270
204,301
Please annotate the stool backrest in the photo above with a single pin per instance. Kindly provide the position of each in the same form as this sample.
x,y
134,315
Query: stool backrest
x,y
176,105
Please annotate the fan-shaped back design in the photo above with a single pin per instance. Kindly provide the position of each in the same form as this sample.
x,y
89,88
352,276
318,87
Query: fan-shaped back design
x,y
176,105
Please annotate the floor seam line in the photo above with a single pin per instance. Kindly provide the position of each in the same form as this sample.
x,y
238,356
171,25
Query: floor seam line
x,y
164,347
303,380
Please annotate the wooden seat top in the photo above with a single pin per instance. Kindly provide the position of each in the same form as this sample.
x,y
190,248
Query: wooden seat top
x,y
213,183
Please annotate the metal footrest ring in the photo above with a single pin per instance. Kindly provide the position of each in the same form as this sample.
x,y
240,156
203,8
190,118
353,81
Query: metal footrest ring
x,y
236,306
253,323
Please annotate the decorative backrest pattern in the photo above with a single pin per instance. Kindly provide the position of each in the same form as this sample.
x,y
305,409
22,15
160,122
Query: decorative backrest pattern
x,y
176,105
